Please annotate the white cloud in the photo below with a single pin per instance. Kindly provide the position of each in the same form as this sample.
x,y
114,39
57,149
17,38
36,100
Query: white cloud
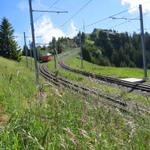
x,y
45,28
134,3
72,30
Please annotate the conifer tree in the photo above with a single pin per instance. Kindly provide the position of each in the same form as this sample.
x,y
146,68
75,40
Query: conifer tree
x,y
8,45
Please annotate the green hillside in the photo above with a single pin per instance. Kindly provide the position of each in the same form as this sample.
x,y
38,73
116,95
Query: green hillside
x,y
112,48
120,72
56,118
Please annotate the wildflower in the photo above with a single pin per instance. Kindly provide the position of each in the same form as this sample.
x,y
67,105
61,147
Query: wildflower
x,y
69,131
57,93
62,142
148,142
84,133
74,140
90,146
131,125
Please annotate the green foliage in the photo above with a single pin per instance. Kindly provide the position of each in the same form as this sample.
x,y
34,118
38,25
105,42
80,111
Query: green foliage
x,y
93,53
118,49
8,46
62,44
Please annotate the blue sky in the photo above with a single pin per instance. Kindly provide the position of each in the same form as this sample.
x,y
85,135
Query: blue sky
x,y
48,25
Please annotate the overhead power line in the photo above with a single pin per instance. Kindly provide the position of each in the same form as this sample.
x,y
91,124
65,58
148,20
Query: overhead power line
x,y
127,21
51,11
98,21
16,36
55,2
116,14
125,18
122,23
76,13
106,18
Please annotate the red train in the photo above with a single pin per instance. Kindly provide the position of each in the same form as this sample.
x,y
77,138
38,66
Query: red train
x,y
46,58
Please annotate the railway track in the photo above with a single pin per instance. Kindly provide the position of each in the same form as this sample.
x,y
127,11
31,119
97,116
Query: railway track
x,y
133,86
101,97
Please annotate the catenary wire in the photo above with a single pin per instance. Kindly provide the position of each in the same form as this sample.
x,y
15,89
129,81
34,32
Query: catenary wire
x,y
76,13
106,18
54,3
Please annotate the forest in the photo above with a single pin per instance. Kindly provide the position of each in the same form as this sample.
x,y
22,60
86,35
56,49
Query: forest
x,y
111,48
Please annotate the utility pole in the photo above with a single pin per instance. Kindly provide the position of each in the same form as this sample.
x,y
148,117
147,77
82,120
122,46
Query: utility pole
x,y
82,43
55,55
25,47
142,42
33,43
81,53
54,51
31,49
33,36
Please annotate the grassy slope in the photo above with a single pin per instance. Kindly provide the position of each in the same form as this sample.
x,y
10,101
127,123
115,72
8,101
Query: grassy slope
x,y
16,84
110,71
60,119
117,91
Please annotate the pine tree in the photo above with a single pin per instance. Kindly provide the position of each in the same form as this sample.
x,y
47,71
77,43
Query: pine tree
x,y
8,46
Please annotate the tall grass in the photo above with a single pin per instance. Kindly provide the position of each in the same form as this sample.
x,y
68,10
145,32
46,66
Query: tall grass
x,y
57,118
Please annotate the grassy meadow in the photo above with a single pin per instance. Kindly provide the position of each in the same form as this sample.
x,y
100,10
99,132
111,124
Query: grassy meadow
x,y
56,118
75,62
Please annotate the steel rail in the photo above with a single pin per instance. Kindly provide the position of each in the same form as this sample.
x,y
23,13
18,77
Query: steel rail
x,y
108,99
136,86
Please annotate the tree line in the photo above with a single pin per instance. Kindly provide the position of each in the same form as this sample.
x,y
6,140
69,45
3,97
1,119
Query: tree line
x,y
55,46
110,48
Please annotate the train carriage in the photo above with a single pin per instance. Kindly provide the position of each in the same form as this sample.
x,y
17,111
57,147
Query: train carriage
x,y
47,57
